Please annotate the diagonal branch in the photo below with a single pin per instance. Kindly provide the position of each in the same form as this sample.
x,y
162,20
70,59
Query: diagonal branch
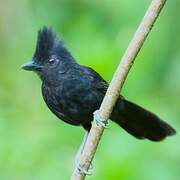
x,y
116,85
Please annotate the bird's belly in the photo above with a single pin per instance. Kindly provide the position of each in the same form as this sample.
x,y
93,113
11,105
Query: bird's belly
x,y
79,106
73,104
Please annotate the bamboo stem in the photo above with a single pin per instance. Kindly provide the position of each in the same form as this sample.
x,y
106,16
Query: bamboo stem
x,y
116,85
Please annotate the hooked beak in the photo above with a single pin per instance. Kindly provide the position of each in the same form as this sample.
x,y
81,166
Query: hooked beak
x,y
31,66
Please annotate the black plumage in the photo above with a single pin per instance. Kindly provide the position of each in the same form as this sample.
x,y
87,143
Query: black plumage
x,y
73,92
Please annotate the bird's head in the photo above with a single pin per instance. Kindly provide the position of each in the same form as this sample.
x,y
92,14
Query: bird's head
x,y
50,54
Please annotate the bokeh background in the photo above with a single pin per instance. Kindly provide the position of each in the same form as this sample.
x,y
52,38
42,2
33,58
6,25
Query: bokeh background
x,y
34,144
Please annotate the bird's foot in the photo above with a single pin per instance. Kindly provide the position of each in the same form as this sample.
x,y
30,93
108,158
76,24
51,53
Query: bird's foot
x,y
78,157
80,170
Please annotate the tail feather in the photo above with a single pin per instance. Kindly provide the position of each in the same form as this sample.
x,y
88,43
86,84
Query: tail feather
x,y
139,122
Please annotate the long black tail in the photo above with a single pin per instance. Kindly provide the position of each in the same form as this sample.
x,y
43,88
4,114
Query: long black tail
x,y
139,122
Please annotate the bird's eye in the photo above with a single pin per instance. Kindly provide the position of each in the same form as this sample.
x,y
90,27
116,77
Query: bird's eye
x,y
51,61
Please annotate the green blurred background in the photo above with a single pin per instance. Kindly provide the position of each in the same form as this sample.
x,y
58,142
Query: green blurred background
x,y
34,144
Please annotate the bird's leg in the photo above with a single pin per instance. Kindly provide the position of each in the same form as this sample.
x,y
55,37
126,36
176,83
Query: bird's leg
x,y
80,150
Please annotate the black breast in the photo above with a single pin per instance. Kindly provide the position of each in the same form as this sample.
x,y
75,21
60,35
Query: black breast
x,y
72,100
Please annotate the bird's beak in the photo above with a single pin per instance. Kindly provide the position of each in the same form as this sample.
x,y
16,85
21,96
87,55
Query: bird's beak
x,y
31,66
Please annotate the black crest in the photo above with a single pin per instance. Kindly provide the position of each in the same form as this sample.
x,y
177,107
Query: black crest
x,y
48,43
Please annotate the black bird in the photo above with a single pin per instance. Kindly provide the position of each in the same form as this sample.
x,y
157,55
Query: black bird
x,y
73,92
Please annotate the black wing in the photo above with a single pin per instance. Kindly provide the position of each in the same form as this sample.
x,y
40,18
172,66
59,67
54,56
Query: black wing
x,y
97,81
